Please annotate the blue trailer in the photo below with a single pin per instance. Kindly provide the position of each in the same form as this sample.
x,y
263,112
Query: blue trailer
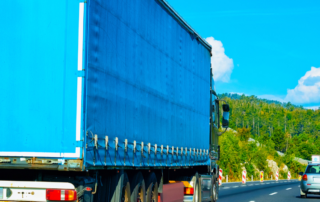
x,y
109,90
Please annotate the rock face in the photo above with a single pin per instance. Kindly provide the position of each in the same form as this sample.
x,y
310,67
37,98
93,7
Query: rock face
x,y
273,167
285,168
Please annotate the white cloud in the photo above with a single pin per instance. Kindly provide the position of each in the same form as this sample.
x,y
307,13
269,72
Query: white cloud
x,y
222,65
307,90
313,107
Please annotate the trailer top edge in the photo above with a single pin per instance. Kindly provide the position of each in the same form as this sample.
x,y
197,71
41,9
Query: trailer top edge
x,y
166,5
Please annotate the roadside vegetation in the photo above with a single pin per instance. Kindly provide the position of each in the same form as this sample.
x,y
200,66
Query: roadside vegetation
x,y
272,126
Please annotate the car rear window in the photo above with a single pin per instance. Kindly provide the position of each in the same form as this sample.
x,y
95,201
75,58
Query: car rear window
x,y
315,169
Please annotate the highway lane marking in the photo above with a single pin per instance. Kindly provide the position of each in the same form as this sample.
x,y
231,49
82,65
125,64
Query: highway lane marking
x,y
288,189
256,184
268,183
235,186
251,201
226,187
273,193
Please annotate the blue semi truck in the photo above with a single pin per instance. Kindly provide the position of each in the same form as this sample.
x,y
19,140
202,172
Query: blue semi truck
x,y
105,101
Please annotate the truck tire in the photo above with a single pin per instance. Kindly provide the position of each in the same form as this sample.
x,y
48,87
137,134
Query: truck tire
x,y
138,189
122,188
196,188
152,188
214,189
115,188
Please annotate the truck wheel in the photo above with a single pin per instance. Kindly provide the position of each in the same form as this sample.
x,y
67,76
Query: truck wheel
x,y
126,193
152,188
196,188
138,190
122,188
214,190
113,188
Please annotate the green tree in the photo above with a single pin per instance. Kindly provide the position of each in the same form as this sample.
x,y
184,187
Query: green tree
x,y
278,138
243,133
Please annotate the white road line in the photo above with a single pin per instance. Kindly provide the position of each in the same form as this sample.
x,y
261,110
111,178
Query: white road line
x,y
251,201
256,184
226,187
235,186
268,183
288,189
273,193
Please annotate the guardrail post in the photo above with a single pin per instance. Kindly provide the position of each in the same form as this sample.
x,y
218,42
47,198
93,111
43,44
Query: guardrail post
x,y
244,177
261,176
227,178
220,177
251,177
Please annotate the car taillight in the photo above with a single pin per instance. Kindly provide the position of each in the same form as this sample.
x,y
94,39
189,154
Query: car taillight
x,y
61,195
305,177
188,191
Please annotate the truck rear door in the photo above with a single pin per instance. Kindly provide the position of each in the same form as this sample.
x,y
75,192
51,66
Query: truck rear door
x,y
41,81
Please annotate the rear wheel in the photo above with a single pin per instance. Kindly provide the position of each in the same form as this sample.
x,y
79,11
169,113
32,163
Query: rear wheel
x,y
126,193
113,188
215,192
196,188
122,188
152,188
302,194
138,190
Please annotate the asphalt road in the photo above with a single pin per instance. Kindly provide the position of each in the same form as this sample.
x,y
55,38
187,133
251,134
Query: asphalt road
x,y
267,191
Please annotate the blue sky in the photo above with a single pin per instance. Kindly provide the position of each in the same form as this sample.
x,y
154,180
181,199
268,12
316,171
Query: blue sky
x,y
262,48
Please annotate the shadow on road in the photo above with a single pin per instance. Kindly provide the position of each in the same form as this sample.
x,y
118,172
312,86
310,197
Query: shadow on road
x,y
317,197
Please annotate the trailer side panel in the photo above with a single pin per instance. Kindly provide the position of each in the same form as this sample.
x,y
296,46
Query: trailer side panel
x,y
147,81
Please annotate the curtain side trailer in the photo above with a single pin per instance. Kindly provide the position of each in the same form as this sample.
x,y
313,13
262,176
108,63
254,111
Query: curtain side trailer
x,y
105,101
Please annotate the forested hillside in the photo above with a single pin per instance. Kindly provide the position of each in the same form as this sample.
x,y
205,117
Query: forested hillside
x,y
274,126
237,154
290,128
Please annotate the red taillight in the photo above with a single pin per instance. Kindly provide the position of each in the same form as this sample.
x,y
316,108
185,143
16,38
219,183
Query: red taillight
x,y
305,177
53,195
61,195
188,191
